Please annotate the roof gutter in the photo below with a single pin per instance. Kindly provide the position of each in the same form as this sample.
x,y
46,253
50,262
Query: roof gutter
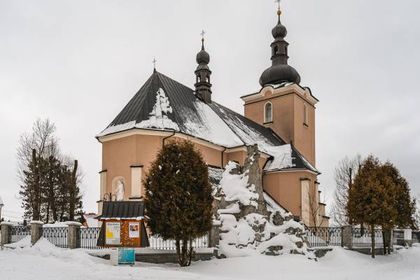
x,y
222,155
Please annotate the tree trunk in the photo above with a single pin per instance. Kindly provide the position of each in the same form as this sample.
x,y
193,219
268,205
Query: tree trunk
x,y
178,250
372,235
72,201
389,240
36,189
190,253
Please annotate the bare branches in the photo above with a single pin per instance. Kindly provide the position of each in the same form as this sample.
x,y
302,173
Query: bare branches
x,y
49,180
345,172
42,139
315,209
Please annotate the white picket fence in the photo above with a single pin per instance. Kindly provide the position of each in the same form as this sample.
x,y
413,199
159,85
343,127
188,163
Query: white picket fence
x,y
158,243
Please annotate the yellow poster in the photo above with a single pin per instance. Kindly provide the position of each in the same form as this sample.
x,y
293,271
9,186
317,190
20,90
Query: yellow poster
x,y
113,233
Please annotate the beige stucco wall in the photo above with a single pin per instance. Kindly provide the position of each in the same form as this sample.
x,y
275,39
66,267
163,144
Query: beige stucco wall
x,y
288,117
118,155
238,156
286,189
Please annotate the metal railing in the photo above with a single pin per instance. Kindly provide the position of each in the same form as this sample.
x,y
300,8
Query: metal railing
x,y
89,237
56,235
324,236
19,232
158,243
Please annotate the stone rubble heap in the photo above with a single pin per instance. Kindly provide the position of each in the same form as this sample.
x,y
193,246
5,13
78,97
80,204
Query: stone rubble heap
x,y
247,226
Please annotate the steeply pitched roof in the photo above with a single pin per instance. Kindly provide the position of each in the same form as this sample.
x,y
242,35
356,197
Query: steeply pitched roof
x,y
164,104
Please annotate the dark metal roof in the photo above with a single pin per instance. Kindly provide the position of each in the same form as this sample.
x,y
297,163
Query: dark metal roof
x,y
122,210
240,125
189,116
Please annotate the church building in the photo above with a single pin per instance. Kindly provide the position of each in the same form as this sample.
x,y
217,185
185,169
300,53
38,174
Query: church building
x,y
279,119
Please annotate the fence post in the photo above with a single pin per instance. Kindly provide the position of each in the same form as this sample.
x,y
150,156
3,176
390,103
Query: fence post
x,y
6,233
347,237
36,231
214,235
408,237
73,235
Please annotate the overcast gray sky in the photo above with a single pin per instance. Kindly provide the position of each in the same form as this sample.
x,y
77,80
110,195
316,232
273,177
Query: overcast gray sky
x,y
78,63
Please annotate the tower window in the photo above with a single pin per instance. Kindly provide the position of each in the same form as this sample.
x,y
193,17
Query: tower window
x,y
305,114
268,112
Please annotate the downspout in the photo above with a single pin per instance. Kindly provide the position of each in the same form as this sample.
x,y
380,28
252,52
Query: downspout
x,y
222,166
169,136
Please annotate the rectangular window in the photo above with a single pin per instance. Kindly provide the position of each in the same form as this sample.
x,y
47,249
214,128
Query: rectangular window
x,y
103,184
306,211
305,114
136,185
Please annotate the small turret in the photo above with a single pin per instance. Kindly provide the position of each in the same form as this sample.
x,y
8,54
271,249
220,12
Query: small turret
x,y
203,73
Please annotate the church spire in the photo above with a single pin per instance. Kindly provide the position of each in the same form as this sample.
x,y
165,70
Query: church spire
x,y
279,71
203,73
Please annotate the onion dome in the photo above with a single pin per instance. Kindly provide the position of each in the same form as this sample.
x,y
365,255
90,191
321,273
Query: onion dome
x,y
279,30
203,57
279,72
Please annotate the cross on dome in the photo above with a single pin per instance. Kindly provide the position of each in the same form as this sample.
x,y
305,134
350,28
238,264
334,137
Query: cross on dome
x,y
154,63
278,7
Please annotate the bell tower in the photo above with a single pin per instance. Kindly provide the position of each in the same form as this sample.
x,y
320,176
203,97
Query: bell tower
x,y
282,104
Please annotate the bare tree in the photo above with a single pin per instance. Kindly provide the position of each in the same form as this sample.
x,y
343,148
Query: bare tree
x,y
314,210
345,172
42,139
50,181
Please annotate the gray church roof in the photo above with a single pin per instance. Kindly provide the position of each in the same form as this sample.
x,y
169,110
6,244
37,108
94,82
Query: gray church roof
x,y
166,105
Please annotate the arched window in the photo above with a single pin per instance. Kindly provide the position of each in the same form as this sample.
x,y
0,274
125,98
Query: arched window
x,y
275,50
268,112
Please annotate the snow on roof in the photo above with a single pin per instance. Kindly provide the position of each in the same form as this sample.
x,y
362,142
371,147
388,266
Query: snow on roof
x,y
164,104
282,156
211,127
158,117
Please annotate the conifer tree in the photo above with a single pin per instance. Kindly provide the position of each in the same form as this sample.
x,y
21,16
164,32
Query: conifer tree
x,y
30,190
404,205
366,196
178,197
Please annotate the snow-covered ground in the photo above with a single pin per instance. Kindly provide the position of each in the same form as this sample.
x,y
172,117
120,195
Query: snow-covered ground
x,y
45,261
